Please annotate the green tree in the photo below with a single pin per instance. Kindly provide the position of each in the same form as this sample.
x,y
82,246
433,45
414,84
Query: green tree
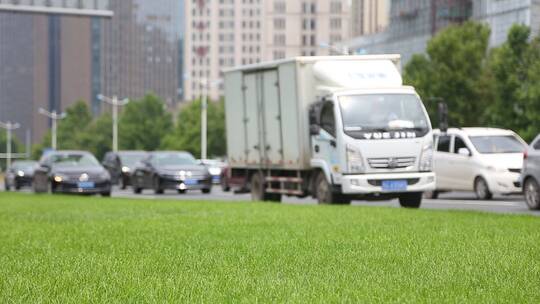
x,y
187,133
144,123
97,137
72,128
453,70
513,70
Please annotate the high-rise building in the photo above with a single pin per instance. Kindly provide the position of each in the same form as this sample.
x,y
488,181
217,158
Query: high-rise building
x,y
228,33
369,16
412,24
502,14
141,49
56,57
45,62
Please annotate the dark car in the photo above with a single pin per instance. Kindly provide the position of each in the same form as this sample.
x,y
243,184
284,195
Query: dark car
x,y
121,164
171,170
215,167
19,175
531,175
71,172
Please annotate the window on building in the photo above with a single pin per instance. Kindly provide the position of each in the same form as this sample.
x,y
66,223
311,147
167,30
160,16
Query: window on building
x,y
335,23
279,23
335,7
280,7
279,39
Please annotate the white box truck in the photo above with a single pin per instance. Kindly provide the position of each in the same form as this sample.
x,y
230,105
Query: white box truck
x,y
336,128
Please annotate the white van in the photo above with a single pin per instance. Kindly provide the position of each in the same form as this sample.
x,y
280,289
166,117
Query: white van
x,y
484,160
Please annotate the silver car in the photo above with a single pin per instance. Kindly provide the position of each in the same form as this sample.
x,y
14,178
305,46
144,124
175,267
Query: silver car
x,y
531,175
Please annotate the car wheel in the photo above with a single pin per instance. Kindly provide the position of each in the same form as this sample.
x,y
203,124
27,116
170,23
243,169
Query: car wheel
x,y
157,186
17,186
224,185
123,184
531,190
431,194
481,189
106,194
410,200
50,187
136,188
6,186
207,190
182,191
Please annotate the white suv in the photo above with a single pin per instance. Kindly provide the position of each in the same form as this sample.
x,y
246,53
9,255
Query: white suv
x,y
483,160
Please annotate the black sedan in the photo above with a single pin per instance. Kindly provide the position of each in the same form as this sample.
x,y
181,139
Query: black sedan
x,y
71,172
19,175
120,165
171,170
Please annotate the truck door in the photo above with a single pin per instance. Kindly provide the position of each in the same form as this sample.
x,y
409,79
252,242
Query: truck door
x,y
271,118
324,144
252,119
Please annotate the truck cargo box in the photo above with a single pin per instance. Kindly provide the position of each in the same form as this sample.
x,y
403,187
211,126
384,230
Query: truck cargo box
x,y
267,104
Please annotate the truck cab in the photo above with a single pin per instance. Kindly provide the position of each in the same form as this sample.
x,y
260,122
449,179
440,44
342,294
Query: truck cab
x,y
372,144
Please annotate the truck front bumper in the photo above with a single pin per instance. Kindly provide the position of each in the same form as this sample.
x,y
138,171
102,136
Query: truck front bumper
x,y
372,183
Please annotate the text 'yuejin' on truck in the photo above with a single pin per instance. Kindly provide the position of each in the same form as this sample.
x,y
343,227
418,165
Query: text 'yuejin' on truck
x,y
336,128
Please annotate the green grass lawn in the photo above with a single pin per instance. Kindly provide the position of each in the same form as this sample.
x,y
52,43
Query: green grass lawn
x,y
70,249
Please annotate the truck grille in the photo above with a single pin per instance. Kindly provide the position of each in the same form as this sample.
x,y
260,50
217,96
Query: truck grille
x,y
391,162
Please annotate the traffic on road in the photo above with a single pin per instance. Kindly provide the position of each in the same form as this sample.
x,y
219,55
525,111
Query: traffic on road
x,y
333,130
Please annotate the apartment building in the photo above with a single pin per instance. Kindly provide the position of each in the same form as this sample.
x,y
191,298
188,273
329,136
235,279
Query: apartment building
x,y
227,33
369,16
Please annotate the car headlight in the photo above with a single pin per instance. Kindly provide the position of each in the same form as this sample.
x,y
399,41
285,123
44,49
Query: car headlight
x,y
355,161
214,171
125,169
20,173
426,160
496,169
58,177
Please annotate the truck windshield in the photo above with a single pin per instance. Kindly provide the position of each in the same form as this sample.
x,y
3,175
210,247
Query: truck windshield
x,y
383,113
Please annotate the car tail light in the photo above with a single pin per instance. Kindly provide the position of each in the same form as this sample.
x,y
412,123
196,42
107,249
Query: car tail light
x,y
525,155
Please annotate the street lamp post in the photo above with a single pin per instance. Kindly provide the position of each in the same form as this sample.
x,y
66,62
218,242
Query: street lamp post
x,y
205,86
9,126
115,103
55,117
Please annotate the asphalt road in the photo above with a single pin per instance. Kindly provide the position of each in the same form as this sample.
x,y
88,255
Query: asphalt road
x,y
447,201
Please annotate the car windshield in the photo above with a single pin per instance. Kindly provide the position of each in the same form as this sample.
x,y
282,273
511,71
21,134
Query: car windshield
x,y
173,159
74,160
25,166
131,159
497,144
382,112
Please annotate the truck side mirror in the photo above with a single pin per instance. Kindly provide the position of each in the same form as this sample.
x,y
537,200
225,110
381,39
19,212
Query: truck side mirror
x,y
464,152
443,117
314,130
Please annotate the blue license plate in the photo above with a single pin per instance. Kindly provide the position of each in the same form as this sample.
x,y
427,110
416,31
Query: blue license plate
x,y
86,185
394,185
191,182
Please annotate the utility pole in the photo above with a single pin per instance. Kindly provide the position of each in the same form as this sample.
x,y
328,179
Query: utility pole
x,y
55,117
206,85
115,103
9,126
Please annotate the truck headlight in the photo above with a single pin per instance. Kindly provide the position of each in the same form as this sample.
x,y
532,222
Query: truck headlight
x,y
355,161
426,159
20,173
215,171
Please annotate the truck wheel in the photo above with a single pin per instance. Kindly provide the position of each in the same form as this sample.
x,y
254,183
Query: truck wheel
x,y
532,193
410,200
224,185
481,189
258,188
325,195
